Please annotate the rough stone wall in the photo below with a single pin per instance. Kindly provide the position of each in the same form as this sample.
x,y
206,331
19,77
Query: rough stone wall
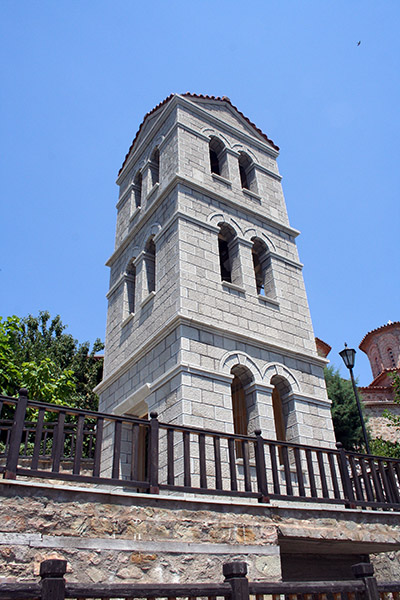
x,y
116,540
386,566
113,536
377,423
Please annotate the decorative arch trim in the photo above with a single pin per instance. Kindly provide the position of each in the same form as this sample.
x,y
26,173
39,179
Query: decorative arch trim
x,y
209,132
239,148
218,218
151,232
232,359
252,232
277,369
133,256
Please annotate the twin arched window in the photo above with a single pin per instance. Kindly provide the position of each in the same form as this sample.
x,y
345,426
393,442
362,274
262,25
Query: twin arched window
x,y
243,404
219,165
229,261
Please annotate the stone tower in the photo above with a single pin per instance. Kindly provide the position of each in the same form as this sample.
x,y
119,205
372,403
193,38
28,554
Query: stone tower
x,y
208,321
382,346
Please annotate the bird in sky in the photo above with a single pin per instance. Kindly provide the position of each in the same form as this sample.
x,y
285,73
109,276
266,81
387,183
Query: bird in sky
x,y
358,43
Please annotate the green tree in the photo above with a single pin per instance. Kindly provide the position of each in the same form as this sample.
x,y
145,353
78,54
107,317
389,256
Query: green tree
x,y
10,373
35,352
346,420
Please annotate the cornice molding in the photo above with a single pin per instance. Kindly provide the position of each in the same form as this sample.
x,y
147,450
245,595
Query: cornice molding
x,y
238,336
207,191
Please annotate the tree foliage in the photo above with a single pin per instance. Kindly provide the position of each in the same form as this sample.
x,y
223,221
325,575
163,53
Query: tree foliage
x,y
345,417
36,353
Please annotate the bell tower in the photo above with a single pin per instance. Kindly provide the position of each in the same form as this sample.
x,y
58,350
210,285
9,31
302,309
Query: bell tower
x,y
208,322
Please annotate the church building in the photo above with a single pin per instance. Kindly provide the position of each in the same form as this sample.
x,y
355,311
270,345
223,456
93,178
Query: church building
x,y
208,321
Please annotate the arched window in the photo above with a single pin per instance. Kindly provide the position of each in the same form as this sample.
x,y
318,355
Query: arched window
x,y
229,255
391,357
137,188
218,162
130,279
262,268
242,377
155,166
247,172
150,266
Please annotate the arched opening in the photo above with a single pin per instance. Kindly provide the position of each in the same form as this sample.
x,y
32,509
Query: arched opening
x,y
280,409
247,172
229,261
218,163
155,166
130,279
242,378
150,266
137,189
262,268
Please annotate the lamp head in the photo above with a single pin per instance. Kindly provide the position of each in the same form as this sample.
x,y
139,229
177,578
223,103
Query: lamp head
x,y
348,356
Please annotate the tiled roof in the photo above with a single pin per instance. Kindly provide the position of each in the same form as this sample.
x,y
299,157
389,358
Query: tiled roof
x,y
379,379
202,97
388,326
325,348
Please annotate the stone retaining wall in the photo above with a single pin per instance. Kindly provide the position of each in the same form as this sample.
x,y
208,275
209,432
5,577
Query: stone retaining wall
x,y
110,535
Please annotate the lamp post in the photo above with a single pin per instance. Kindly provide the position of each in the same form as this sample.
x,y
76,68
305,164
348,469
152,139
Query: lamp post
x,y
348,356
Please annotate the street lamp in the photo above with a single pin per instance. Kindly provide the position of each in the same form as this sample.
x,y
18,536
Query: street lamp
x,y
348,355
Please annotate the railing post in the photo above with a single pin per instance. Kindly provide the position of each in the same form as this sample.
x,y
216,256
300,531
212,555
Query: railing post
x,y
345,477
17,430
235,575
261,470
365,571
153,453
53,583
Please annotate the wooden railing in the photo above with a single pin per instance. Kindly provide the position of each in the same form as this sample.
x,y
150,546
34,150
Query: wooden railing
x,y
235,587
58,442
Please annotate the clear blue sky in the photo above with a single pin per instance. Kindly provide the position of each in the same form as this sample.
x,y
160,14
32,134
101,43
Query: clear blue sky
x,y
77,78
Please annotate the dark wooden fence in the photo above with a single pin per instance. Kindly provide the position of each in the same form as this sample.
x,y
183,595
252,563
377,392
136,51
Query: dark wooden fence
x,y
235,587
58,442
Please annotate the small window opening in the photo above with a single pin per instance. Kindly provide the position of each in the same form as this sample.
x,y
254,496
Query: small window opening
x,y
218,163
150,265
229,255
262,268
247,172
131,287
224,260
214,162
137,187
155,167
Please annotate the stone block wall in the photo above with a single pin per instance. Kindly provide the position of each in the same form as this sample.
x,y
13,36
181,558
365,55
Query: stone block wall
x,y
113,536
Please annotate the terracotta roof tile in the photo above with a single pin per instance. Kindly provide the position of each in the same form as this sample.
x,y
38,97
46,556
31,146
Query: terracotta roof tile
x,y
202,97
379,378
388,325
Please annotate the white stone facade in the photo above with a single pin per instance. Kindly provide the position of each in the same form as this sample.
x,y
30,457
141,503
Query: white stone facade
x,y
173,345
